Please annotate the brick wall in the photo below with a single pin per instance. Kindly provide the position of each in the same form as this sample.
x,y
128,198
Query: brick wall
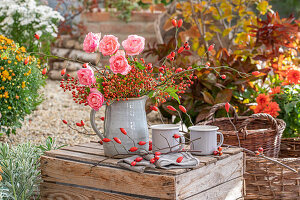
x,y
142,23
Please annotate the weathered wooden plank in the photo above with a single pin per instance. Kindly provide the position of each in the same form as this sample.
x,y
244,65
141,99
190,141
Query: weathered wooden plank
x,y
60,153
224,155
199,180
231,151
93,151
93,145
52,191
230,190
206,159
107,178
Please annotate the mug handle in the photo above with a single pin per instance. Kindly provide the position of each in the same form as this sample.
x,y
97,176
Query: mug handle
x,y
182,141
221,139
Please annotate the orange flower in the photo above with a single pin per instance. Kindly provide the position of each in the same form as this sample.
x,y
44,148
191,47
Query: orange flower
x,y
293,76
262,99
275,90
272,109
258,109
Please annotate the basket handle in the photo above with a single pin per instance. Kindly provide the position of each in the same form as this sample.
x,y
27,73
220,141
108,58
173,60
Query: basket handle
x,y
216,107
243,127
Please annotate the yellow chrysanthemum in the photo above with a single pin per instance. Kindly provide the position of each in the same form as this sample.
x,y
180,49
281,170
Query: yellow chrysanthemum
x,y
23,84
5,74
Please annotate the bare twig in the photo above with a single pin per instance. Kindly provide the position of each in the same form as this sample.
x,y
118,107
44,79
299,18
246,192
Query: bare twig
x,y
235,129
262,156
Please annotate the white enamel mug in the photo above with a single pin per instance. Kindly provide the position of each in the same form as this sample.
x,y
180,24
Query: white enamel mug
x,y
204,139
163,138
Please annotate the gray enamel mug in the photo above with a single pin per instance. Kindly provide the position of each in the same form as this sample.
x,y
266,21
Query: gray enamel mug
x,y
204,139
163,139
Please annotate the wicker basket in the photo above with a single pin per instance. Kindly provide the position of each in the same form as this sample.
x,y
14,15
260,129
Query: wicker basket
x,y
290,148
257,130
267,180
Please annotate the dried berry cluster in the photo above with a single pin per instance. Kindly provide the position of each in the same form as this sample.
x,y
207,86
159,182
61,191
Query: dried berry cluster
x,y
79,92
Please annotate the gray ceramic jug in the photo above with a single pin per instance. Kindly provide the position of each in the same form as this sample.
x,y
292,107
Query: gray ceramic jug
x,y
131,116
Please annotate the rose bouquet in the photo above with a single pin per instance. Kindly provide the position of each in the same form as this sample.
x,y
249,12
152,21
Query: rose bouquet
x,y
127,76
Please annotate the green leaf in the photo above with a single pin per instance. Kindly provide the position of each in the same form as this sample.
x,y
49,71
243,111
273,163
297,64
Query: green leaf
x,y
172,92
150,95
175,96
289,107
107,66
139,65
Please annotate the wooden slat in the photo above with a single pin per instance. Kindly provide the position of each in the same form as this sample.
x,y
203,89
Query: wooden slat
x,y
224,155
206,160
231,151
59,153
93,145
199,180
230,190
52,191
93,151
107,178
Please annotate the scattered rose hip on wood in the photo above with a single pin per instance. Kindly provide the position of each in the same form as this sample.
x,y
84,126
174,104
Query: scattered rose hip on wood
x,y
139,159
152,160
179,159
133,163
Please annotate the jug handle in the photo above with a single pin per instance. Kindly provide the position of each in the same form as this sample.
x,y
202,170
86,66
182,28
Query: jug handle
x,y
92,118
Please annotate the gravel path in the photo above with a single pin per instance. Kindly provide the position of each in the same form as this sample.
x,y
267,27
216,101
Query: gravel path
x,y
46,120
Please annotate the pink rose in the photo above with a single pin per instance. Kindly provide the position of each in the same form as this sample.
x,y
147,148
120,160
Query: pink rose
x,y
91,42
109,45
95,99
119,63
134,45
86,76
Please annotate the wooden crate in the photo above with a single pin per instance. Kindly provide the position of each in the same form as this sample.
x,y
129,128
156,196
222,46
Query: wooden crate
x,y
71,173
